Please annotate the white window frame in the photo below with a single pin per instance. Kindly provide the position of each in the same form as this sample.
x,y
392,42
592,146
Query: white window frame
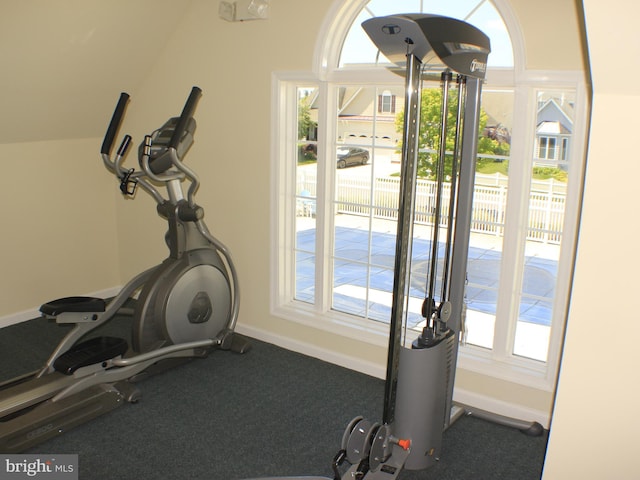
x,y
498,362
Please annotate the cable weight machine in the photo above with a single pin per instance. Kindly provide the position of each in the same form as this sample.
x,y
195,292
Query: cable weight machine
x,y
419,380
418,399
418,404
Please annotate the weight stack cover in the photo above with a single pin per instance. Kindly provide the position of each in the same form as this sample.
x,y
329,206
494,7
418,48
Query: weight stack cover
x,y
421,400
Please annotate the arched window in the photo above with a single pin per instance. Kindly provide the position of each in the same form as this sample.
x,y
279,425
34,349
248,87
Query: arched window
x,y
336,194
359,50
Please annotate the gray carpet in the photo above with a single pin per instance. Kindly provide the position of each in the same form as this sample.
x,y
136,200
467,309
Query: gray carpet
x,y
268,412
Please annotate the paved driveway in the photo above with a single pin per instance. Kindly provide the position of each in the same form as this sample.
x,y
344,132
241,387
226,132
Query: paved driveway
x,y
360,262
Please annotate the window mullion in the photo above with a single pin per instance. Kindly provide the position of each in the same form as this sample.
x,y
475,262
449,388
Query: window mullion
x,y
284,174
326,184
288,175
516,216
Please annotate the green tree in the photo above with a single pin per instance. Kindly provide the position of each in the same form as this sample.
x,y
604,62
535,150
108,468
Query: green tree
x,y
307,151
305,123
429,136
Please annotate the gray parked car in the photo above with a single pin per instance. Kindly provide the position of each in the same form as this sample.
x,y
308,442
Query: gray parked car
x,y
348,156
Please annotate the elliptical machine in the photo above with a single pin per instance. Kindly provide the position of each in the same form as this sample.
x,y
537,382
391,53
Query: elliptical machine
x,y
185,307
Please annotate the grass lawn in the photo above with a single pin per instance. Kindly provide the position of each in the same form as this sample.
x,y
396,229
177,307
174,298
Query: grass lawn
x,y
539,173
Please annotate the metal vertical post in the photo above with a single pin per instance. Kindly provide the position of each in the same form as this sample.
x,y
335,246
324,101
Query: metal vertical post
x,y
462,232
404,234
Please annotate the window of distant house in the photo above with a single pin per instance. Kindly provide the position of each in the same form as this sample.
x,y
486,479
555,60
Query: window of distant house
x,y
547,148
336,196
386,103
565,147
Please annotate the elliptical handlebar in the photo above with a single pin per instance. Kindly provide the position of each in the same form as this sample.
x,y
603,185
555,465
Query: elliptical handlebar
x,y
154,163
187,113
114,125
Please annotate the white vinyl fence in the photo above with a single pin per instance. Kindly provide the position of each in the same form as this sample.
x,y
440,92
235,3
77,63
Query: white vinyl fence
x,y
358,196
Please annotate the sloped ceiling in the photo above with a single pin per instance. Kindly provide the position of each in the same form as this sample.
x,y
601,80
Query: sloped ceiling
x,y
64,62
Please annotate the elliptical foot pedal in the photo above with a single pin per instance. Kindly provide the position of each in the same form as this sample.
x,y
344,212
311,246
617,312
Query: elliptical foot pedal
x,y
73,304
94,350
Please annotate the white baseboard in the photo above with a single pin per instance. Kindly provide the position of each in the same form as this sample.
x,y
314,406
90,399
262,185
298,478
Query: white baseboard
x,y
311,350
34,312
500,407
482,402
19,317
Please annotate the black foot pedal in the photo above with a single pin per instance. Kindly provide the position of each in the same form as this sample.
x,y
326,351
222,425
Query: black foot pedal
x,y
73,304
95,350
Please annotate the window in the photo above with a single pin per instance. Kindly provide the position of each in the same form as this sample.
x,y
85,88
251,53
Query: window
x,y
547,148
386,103
337,194
563,151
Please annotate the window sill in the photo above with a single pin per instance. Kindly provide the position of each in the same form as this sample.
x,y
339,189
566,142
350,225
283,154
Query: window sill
x,y
521,371
334,322
513,369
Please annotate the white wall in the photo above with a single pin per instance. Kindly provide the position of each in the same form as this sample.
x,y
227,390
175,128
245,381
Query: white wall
x,y
594,432
59,229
